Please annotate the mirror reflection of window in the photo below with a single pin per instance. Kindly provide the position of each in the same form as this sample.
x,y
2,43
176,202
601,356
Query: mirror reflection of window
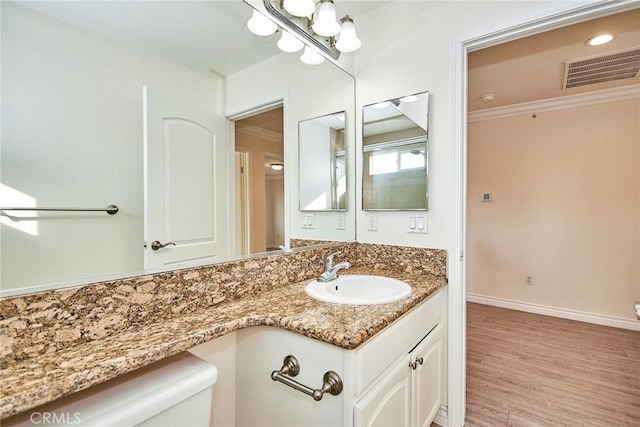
x,y
395,161
395,141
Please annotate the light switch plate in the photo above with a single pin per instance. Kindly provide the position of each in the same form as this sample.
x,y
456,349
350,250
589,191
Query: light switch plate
x,y
308,221
417,224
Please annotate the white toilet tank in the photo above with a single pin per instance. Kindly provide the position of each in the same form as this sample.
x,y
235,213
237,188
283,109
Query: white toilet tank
x,y
176,391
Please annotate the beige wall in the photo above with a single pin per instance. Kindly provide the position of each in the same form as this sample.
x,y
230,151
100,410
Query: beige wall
x,y
565,208
259,149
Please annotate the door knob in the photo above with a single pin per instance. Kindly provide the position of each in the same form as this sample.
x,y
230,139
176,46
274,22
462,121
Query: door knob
x,y
155,245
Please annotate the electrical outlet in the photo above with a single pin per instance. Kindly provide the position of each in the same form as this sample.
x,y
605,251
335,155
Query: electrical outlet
x,y
528,280
341,222
372,221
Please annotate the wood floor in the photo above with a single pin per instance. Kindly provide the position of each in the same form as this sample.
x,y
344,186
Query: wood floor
x,y
524,369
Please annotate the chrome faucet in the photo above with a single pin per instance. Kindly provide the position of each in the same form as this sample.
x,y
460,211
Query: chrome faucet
x,y
330,270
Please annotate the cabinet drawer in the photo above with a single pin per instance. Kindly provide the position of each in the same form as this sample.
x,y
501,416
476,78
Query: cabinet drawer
x,y
378,354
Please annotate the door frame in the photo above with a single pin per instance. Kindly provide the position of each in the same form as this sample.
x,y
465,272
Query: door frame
x,y
536,20
241,247
248,109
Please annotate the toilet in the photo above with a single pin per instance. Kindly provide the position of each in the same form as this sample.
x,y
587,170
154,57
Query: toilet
x,y
176,391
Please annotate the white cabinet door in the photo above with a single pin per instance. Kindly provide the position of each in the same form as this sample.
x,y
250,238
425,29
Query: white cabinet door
x,y
185,182
426,392
388,404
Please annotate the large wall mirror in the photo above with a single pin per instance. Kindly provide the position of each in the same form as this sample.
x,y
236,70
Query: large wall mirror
x,y
323,163
395,154
152,107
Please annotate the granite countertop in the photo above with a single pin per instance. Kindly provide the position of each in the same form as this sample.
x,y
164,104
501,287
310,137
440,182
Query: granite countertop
x,y
34,381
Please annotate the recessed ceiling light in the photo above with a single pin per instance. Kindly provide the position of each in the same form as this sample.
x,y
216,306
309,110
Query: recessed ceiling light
x,y
381,105
488,97
599,40
410,98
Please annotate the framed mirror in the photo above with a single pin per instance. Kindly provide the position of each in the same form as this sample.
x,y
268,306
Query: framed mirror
x,y
395,154
323,163
74,132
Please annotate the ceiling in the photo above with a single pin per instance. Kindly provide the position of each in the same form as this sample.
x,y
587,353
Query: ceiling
x,y
268,125
209,36
532,68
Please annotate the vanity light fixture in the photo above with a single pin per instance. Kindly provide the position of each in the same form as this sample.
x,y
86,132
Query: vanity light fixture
x,y
599,40
299,8
325,22
319,30
277,166
311,57
288,43
348,40
260,25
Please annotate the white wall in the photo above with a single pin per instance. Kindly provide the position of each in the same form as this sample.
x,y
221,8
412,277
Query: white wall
x,y
407,49
565,209
72,136
309,91
315,166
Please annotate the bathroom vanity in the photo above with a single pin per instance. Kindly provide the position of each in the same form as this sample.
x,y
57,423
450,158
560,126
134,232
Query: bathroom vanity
x,y
388,356
395,378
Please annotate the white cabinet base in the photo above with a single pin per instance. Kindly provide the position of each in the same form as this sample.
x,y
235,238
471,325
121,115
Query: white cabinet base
x,y
380,388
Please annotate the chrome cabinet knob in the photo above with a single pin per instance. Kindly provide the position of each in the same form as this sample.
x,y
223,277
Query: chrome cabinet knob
x,y
414,365
155,245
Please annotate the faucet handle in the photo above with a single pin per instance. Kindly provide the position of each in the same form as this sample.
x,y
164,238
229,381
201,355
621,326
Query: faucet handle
x,y
328,260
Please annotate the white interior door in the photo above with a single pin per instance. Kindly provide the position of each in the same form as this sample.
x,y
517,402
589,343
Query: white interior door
x,y
185,182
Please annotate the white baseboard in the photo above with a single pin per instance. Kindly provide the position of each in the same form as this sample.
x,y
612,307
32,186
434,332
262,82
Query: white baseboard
x,y
442,418
562,313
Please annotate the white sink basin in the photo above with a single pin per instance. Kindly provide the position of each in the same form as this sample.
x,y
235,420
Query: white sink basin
x,y
359,289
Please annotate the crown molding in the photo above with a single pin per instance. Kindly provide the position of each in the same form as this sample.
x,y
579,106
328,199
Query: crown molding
x,y
623,93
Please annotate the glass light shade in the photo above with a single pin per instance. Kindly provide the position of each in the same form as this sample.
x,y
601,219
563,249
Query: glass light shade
x,y
260,25
311,57
301,8
289,43
348,41
277,166
325,23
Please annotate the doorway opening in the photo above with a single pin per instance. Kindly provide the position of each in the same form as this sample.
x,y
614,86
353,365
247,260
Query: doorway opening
x,y
534,230
260,188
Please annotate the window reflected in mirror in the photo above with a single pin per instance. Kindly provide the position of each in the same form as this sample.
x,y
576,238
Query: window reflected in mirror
x,y
395,155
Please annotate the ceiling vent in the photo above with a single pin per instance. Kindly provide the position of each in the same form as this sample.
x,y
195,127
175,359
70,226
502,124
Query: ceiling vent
x,y
619,65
